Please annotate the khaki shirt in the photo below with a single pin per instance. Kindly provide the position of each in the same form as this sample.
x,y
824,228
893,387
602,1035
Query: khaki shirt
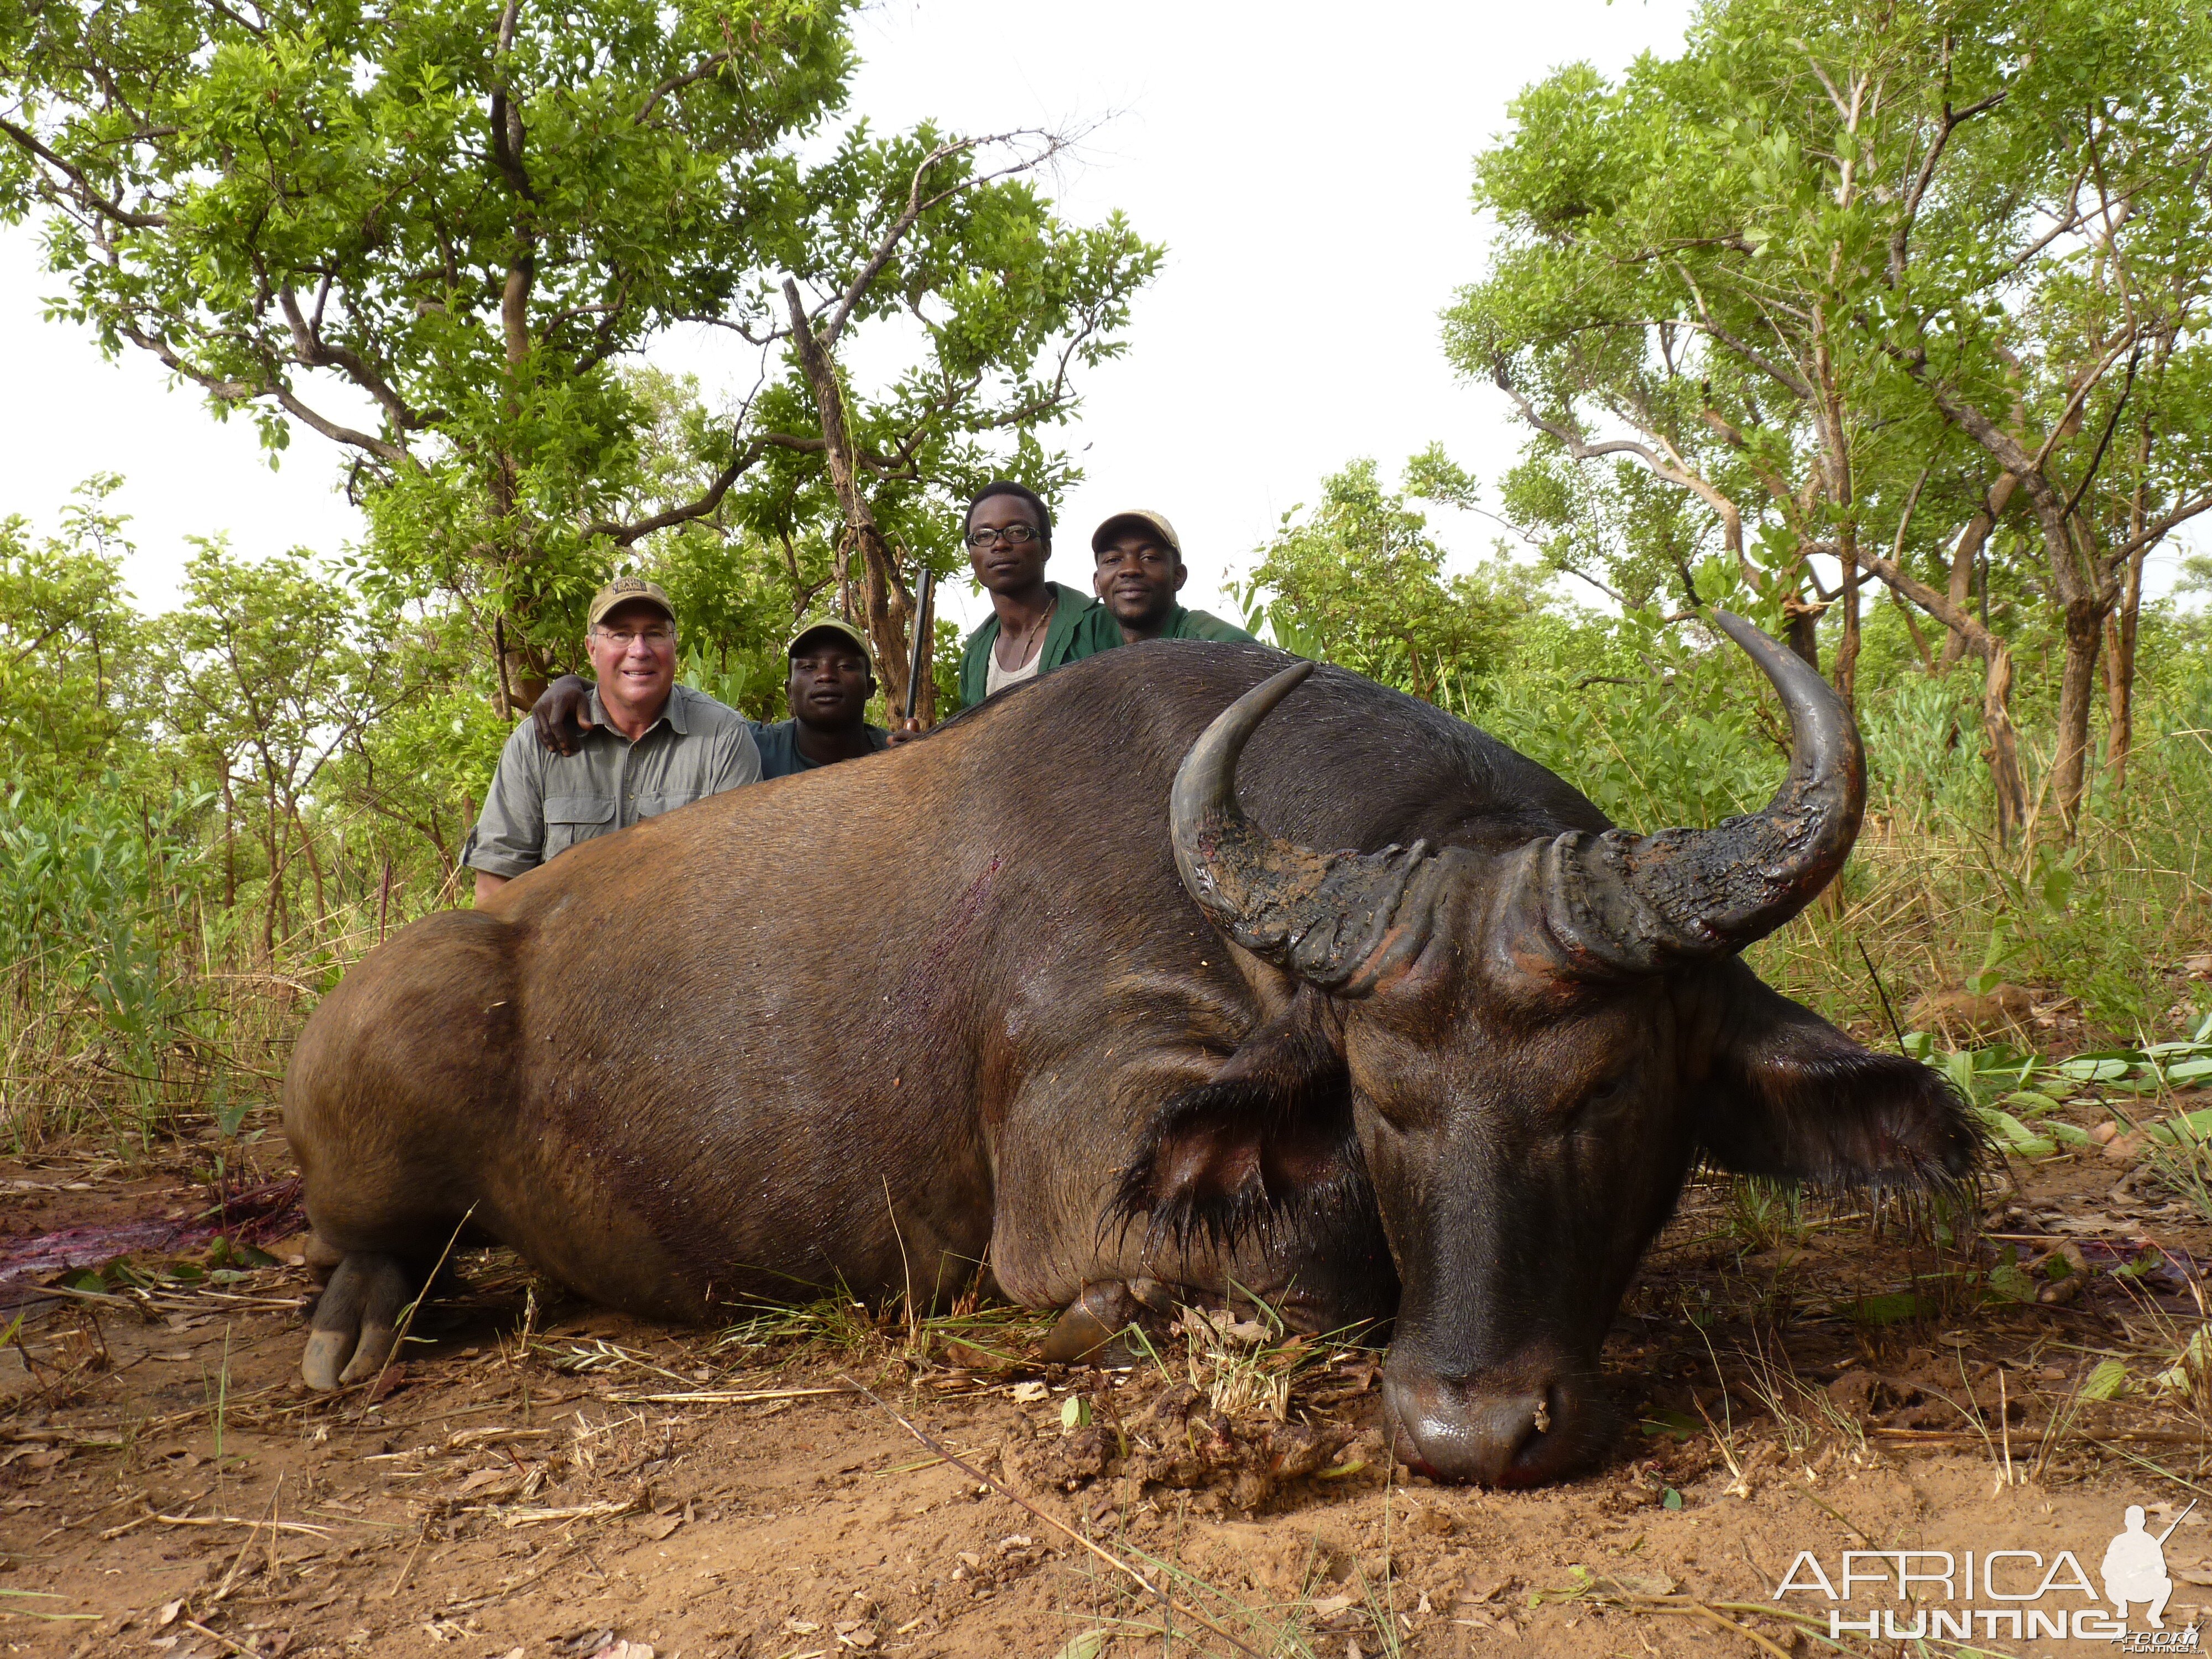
x,y
542,804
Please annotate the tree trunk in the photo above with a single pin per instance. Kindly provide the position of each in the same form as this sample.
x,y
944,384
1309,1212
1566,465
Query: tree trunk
x,y
1912,627
889,608
2006,783
527,679
1847,648
1802,633
2085,633
314,864
2120,670
229,840
1964,558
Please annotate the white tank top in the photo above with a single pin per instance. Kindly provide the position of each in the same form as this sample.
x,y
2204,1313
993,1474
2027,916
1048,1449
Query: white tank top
x,y
996,679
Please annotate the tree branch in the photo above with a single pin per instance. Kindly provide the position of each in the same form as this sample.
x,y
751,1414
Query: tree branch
x,y
677,82
309,347
239,392
624,535
1925,176
2158,528
916,205
123,215
1580,449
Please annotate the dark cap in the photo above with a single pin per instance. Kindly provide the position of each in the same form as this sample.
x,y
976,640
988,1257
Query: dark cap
x,y
829,625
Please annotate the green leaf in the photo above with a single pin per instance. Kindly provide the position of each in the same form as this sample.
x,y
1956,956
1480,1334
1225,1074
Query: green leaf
x,y
1894,1307
2109,1381
2015,1136
2011,1282
1074,1412
1672,1500
1676,1426
2095,1068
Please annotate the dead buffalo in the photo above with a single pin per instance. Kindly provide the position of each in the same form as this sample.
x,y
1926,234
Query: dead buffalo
x,y
1038,994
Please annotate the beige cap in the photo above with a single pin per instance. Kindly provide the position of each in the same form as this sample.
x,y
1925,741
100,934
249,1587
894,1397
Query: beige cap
x,y
1155,522
624,590
835,625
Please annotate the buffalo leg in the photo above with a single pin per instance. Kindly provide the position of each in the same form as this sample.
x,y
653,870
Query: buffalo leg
x,y
357,1323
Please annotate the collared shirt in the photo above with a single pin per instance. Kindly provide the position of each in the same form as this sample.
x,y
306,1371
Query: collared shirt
x,y
779,747
1080,626
1203,625
542,804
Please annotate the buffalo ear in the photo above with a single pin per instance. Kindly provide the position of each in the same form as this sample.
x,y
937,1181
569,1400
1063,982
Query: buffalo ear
x,y
1271,1132
1791,1096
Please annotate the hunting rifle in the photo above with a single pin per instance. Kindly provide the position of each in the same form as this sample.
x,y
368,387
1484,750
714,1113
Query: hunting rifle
x,y
924,623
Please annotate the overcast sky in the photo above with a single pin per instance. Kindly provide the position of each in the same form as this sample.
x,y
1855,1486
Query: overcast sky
x,y
1307,168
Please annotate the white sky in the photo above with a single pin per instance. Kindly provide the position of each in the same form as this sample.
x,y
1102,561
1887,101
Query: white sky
x,y
1307,174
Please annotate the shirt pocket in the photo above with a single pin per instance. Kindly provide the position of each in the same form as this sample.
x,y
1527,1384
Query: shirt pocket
x,y
572,818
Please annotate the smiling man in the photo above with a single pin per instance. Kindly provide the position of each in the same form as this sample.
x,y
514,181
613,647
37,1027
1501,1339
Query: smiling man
x,y
1035,625
648,746
1137,572
831,680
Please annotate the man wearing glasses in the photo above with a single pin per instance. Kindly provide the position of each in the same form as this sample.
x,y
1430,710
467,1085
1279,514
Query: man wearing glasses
x,y
1035,626
651,746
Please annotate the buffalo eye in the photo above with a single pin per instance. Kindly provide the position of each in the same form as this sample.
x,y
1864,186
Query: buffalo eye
x,y
1609,1095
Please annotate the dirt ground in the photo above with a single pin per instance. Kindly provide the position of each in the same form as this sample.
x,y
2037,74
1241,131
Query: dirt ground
x,y
539,1477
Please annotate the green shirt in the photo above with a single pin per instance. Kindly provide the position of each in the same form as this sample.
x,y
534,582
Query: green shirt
x,y
1203,625
779,747
1080,626
541,803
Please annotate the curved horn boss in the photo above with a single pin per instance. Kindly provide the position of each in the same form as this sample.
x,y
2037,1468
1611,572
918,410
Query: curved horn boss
x,y
1340,921
1615,902
1633,903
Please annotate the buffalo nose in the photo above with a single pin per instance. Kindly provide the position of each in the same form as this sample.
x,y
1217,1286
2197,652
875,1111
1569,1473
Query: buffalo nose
x,y
1517,1430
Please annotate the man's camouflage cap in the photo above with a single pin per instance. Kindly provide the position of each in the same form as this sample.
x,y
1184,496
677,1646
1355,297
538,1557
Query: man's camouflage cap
x,y
625,590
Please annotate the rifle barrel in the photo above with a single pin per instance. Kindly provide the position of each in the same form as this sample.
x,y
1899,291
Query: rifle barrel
x,y
923,622
2176,1522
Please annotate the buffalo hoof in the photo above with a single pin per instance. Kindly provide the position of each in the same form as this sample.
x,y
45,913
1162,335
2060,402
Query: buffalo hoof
x,y
357,1323
1094,1319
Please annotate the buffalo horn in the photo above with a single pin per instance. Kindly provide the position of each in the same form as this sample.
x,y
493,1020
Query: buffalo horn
x,y
1625,903
1341,921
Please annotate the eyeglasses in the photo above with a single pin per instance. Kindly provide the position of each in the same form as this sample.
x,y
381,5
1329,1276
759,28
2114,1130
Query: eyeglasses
x,y
1015,535
623,638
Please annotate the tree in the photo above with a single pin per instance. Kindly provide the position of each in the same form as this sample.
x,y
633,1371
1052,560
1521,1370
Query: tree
x,y
433,231
1358,581
267,677
72,650
1903,287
